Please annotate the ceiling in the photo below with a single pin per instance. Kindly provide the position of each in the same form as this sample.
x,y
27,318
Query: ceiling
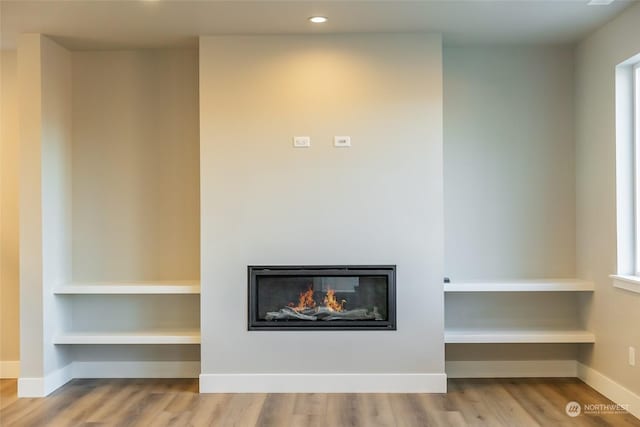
x,y
112,24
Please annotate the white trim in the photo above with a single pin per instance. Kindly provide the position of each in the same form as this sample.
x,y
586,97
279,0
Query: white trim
x,y
542,285
611,389
628,283
139,337
9,368
31,387
323,383
635,77
625,209
43,386
168,369
625,167
512,336
511,368
122,288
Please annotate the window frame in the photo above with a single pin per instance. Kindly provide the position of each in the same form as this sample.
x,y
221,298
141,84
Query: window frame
x,y
627,116
636,164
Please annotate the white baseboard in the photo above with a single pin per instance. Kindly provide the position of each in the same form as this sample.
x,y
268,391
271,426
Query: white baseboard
x,y
323,383
43,386
9,368
611,389
169,369
511,368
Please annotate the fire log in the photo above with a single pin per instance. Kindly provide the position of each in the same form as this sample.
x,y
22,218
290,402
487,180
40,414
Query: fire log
x,y
323,313
287,313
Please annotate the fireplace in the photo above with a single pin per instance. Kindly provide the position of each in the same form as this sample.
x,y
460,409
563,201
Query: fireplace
x,y
322,298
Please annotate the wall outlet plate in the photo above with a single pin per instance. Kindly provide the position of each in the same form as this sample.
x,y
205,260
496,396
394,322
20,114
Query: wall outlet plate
x,y
632,356
302,141
342,141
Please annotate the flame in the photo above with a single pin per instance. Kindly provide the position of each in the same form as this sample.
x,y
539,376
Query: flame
x,y
305,300
331,302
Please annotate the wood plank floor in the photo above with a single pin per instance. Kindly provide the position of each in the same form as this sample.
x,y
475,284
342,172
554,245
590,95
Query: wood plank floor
x,y
494,403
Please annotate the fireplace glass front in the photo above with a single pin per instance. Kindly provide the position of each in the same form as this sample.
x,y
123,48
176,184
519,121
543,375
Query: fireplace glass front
x,y
321,297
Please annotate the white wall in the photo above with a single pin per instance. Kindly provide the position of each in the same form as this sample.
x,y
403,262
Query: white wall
x,y
378,202
44,74
135,169
509,190
129,122
136,193
613,313
56,194
9,244
509,162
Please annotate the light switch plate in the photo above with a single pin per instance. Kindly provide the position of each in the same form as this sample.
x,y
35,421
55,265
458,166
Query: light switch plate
x,y
302,141
342,141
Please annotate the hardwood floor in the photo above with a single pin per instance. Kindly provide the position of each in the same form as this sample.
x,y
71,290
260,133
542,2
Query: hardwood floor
x,y
495,402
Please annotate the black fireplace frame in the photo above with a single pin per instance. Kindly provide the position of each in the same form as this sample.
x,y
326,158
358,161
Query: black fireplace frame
x,y
255,324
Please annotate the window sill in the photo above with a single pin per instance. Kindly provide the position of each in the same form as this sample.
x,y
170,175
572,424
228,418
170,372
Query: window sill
x,y
628,283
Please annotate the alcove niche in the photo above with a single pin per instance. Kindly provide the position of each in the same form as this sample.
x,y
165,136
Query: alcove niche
x,y
118,200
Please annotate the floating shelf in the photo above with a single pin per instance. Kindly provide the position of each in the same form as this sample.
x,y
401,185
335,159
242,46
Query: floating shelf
x,y
514,336
120,288
141,337
546,285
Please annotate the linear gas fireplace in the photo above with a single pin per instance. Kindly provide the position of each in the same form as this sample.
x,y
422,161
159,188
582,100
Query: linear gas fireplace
x,y
322,297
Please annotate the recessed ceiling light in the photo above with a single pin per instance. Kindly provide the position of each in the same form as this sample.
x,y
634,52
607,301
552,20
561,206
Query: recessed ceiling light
x,y
318,19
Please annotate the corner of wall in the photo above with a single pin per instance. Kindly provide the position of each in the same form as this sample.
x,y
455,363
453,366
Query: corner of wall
x,y
43,386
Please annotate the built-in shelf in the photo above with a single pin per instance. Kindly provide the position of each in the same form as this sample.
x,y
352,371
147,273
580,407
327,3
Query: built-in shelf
x,y
515,336
115,288
546,285
138,337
